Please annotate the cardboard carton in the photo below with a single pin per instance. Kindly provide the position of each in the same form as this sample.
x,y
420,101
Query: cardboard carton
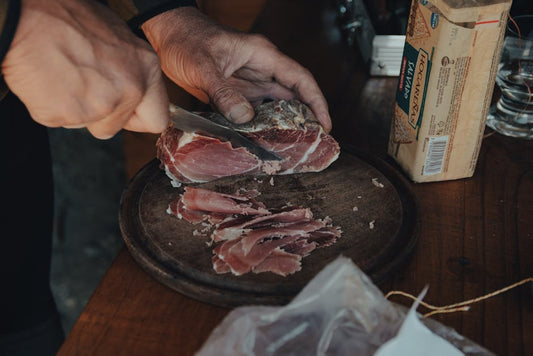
x,y
451,54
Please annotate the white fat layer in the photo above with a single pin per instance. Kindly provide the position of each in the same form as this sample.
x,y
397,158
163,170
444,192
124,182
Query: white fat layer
x,y
311,149
169,154
175,183
173,180
169,212
233,233
186,138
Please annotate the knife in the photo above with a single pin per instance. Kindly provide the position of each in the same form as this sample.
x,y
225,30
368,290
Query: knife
x,y
191,122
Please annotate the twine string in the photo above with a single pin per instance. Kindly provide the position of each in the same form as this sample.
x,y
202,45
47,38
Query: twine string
x,y
461,306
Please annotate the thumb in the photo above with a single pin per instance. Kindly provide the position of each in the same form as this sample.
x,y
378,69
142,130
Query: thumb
x,y
232,104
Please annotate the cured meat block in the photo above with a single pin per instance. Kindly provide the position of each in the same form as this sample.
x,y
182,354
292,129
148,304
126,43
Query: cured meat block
x,y
249,236
288,128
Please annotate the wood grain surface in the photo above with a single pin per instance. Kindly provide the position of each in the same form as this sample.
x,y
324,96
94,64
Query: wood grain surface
x,y
371,203
476,234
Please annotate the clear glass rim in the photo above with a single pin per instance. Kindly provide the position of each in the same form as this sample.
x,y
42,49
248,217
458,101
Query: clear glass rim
x,y
524,22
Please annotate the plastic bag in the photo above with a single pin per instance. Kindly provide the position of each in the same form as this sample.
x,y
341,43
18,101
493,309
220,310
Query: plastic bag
x,y
339,312
415,339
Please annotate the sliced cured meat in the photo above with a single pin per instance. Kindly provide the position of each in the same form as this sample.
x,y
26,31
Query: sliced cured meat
x,y
177,209
190,157
208,200
219,265
287,128
251,238
233,254
237,226
301,247
325,236
300,229
280,262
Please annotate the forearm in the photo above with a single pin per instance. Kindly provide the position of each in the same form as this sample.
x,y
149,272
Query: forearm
x,y
9,16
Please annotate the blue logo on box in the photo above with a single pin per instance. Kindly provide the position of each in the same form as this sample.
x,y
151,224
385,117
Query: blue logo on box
x,y
434,20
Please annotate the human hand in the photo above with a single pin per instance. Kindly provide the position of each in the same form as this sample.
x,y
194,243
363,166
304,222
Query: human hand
x,y
228,68
76,64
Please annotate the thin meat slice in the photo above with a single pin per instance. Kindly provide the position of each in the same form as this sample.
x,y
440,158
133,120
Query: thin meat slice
x,y
254,236
325,236
191,157
239,262
207,200
219,265
280,262
235,264
177,209
286,127
301,247
234,228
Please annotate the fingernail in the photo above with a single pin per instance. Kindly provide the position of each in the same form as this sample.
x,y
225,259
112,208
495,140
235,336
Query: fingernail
x,y
241,113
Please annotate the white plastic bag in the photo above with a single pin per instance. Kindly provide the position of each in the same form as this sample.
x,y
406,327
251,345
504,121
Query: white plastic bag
x,y
340,312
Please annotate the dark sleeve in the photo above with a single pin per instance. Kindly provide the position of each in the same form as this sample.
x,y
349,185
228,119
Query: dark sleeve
x,y
9,17
136,12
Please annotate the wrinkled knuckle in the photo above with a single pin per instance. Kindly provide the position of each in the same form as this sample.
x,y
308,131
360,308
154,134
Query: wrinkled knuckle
x,y
135,91
152,59
104,108
222,94
147,56
150,72
260,40
97,109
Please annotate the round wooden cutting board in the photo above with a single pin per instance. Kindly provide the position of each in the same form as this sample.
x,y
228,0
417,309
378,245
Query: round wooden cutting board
x,y
371,202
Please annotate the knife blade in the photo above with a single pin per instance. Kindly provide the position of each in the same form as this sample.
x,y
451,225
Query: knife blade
x,y
191,122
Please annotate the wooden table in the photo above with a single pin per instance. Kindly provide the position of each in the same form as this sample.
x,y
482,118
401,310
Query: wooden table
x,y
476,233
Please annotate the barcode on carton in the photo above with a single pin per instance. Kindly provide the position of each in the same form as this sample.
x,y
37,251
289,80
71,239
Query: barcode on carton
x,y
435,155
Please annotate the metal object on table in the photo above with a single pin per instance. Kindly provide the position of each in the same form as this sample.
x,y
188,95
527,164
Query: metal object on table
x,y
382,52
356,26
191,122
